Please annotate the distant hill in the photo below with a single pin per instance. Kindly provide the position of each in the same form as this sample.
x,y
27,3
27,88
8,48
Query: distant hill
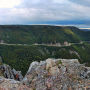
x,y
86,29
30,34
20,57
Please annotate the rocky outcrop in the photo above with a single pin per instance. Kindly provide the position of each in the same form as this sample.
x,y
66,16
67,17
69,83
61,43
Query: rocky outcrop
x,y
58,74
52,74
10,73
10,84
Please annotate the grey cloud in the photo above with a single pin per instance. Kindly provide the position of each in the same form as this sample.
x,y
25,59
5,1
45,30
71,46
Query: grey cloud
x,y
46,10
82,2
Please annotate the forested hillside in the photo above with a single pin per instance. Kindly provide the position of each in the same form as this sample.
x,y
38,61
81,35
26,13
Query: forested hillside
x,y
30,34
20,57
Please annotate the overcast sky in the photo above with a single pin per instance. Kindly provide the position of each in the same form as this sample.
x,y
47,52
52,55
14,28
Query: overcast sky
x,y
60,12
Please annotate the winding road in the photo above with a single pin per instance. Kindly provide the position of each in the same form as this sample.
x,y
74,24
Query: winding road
x,y
54,45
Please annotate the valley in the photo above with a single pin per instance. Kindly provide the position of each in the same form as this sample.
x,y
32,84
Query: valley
x,y
44,45
23,44
20,57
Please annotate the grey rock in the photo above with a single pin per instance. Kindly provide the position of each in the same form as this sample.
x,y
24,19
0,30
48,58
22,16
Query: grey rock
x,y
52,74
9,73
57,74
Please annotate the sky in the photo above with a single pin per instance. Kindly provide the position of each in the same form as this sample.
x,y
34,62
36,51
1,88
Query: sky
x,y
53,12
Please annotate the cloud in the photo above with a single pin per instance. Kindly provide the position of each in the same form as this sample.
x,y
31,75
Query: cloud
x,y
29,11
9,3
82,2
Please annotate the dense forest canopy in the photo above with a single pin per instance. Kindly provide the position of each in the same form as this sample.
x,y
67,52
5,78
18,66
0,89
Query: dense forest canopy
x,y
20,57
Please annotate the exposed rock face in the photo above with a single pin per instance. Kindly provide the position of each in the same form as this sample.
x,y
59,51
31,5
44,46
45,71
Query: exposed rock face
x,y
51,67
10,84
52,74
58,74
10,73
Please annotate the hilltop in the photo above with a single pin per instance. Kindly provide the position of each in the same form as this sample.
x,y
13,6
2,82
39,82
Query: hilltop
x,y
31,34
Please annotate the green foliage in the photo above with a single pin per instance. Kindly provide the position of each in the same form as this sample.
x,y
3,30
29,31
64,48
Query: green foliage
x,y
30,34
20,57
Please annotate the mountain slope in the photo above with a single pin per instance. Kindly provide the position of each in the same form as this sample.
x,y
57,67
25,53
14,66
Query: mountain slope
x,y
19,57
30,34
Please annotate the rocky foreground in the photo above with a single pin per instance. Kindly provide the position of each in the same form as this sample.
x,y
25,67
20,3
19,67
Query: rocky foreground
x,y
52,74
